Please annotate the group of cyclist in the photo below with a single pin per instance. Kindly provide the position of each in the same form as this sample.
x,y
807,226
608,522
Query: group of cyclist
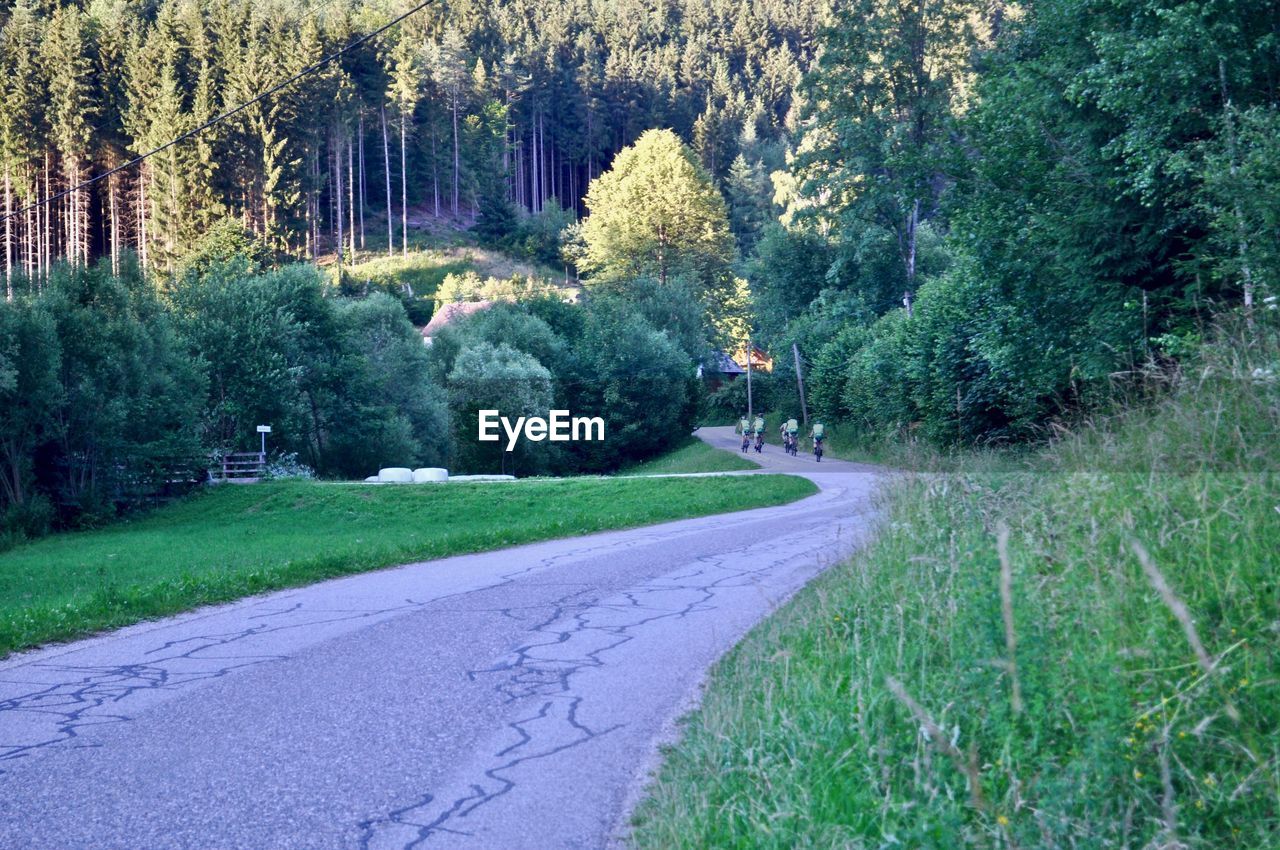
x,y
752,432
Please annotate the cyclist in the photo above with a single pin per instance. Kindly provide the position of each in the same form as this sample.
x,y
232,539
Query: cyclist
x,y
759,429
790,430
744,428
817,434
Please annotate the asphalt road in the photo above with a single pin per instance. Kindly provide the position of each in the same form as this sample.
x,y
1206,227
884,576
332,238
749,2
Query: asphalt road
x,y
503,700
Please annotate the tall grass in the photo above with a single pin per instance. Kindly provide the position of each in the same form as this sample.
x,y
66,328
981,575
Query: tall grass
x,y
1083,654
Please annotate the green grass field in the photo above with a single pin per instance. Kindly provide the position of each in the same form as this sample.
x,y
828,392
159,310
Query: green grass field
x,y
1082,654
235,541
692,455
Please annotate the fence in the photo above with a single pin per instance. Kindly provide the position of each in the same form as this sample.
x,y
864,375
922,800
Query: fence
x,y
240,468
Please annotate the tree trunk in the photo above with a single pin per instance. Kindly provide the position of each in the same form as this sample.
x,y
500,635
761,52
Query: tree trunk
x,y
913,224
112,188
533,165
435,171
1242,233
48,219
337,173
364,187
33,226
404,186
456,180
140,194
8,236
351,200
386,162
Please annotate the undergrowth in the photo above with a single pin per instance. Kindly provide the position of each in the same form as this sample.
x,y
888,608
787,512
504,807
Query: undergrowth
x,y
1085,653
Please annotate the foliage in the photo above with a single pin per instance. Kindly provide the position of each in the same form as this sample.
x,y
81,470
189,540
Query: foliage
x,y
287,465
389,412
1089,192
1088,677
601,358
496,377
115,398
656,213
454,111
100,403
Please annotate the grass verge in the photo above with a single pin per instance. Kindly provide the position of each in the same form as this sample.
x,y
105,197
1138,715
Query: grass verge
x,y
1084,654
692,455
236,541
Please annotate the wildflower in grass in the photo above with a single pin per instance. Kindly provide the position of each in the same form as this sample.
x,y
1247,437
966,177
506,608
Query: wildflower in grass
x,y
1002,820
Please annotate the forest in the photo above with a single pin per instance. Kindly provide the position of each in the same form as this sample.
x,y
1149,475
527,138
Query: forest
x,y
461,108
973,221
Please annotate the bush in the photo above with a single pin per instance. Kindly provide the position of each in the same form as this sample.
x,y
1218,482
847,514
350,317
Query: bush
x,y
497,377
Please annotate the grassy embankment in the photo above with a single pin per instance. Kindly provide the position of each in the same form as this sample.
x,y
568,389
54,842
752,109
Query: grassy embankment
x,y
1083,654
692,455
236,541
431,259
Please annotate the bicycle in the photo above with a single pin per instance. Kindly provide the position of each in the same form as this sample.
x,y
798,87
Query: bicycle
x,y
817,450
746,443
760,442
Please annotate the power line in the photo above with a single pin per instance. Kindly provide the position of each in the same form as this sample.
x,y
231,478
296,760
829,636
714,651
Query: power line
x,y
310,69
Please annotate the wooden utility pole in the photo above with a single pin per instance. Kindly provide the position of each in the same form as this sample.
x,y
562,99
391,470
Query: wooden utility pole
x,y
804,408
750,417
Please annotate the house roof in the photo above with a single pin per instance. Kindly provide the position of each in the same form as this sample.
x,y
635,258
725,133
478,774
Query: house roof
x,y
452,312
724,363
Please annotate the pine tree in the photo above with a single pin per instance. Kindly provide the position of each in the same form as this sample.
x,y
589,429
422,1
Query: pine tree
x,y
67,56
450,70
406,75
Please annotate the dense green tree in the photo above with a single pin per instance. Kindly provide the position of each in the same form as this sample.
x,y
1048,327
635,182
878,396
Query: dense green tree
x,y
390,413
656,213
30,394
885,93
495,377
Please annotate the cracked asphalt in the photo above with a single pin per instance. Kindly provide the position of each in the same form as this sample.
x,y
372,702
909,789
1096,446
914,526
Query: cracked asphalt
x,y
509,699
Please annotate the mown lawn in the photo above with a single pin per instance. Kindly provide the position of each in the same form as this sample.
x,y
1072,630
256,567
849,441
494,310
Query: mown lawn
x,y
1081,654
235,541
692,455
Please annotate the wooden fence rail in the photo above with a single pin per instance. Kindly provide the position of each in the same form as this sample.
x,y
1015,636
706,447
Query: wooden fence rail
x,y
241,468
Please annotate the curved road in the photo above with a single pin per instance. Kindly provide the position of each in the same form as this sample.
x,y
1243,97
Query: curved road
x,y
510,699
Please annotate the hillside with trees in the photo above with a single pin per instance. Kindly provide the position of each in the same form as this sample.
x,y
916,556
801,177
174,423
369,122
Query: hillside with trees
x,y
996,212
460,110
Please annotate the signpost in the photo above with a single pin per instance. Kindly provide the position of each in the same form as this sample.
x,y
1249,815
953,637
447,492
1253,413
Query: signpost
x,y
264,430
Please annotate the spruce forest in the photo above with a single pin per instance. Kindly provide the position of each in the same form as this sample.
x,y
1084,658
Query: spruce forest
x,y
461,107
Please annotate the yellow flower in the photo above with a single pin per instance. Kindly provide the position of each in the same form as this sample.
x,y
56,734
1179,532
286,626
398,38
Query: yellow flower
x,y
1002,820
1137,774
1244,683
1182,734
1199,804
1210,781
